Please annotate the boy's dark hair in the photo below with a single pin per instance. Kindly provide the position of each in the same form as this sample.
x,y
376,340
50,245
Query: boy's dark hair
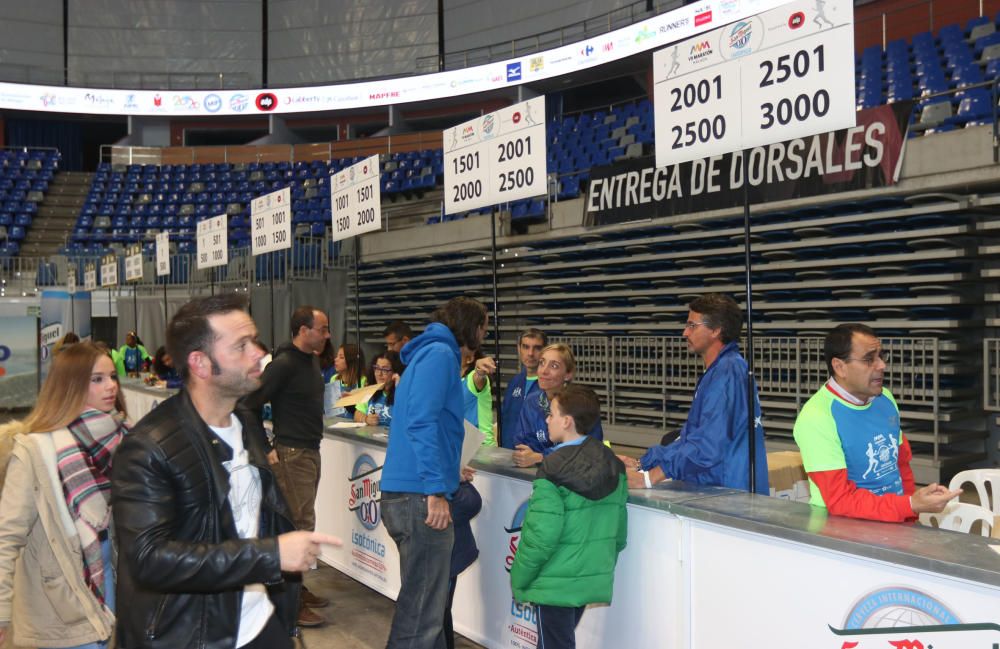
x,y
399,329
582,404
838,342
719,311
303,316
463,316
189,329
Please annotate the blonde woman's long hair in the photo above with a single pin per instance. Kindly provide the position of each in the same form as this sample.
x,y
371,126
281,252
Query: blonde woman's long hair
x,y
569,361
64,394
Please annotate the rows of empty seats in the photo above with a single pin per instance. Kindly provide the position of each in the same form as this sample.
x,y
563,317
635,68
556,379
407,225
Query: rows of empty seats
x,y
24,178
955,61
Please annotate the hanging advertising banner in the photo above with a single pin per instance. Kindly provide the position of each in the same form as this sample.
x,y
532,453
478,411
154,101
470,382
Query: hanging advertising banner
x,y
865,156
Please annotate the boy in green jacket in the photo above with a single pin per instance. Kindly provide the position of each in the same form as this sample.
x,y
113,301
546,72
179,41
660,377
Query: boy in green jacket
x,y
575,525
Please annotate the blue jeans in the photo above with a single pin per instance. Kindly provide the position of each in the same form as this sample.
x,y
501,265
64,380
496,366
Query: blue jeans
x,y
424,561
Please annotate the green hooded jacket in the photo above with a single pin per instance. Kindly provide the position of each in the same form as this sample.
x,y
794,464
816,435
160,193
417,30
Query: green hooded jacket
x,y
574,529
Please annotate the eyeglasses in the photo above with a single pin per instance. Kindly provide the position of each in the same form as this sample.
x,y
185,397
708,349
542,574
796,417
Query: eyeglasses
x,y
324,330
691,325
376,368
869,359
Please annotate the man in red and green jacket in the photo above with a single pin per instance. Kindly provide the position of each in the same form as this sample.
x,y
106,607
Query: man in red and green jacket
x,y
853,449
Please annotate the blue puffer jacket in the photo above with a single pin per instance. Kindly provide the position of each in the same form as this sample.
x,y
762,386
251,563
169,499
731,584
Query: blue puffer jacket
x,y
426,433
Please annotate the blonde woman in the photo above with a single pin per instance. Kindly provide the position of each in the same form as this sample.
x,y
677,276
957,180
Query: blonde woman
x,y
56,565
531,438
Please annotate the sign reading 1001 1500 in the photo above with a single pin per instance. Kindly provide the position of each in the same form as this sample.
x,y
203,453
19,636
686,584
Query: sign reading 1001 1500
x,y
356,199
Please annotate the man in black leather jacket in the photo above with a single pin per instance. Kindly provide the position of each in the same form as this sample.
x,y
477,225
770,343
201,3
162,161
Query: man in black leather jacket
x,y
203,533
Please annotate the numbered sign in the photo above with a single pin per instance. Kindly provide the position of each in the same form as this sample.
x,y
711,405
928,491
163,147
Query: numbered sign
x,y
71,280
213,242
356,199
497,158
779,75
133,264
109,271
163,254
271,222
89,277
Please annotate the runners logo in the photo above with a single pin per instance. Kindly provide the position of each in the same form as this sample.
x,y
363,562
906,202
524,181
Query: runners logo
x,y
364,492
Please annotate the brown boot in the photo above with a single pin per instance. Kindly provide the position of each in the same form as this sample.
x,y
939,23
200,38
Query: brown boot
x,y
309,618
312,600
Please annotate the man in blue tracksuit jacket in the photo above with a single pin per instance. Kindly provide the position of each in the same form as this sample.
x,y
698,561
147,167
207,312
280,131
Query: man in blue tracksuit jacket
x,y
712,448
422,468
530,344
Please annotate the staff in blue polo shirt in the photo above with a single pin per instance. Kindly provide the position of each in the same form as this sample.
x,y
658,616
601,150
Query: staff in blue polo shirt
x,y
530,344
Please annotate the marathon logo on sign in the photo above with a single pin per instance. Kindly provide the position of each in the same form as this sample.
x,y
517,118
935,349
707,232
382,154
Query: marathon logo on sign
x,y
906,618
739,39
700,52
266,101
861,157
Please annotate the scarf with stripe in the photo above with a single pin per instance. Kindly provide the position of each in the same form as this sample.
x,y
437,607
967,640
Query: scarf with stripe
x,y
83,457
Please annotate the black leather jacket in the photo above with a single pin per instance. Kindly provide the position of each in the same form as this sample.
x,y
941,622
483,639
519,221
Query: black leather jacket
x,y
182,566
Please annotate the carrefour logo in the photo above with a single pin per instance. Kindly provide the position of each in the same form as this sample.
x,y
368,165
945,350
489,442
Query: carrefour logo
x,y
365,491
213,103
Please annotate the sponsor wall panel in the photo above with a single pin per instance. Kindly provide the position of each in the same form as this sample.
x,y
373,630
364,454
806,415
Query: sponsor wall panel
x,y
865,156
18,361
347,506
790,596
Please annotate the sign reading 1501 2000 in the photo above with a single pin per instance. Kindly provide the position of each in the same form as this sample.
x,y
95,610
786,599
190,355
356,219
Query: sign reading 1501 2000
x,y
365,216
463,190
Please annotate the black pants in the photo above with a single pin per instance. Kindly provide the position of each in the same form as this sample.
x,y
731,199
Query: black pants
x,y
557,626
273,636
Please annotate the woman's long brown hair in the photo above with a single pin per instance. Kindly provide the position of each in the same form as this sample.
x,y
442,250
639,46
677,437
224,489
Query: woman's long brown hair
x,y
64,394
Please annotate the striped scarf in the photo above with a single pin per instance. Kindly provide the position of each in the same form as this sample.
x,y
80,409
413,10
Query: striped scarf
x,y
83,457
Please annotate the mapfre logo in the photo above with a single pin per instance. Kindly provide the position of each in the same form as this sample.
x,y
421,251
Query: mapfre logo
x,y
266,101
901,617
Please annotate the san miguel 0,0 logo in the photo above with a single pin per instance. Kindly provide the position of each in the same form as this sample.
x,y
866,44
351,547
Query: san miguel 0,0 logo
x,y
521,627
364,493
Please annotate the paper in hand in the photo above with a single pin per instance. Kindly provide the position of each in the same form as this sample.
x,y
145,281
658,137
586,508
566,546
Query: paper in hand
x,y
472,443
359,395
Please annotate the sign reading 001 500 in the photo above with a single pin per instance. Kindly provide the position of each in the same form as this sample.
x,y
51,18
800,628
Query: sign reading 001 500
x,y
356,199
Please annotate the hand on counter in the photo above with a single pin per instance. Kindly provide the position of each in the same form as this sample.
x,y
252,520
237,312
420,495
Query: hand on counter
x,y
631,463
524,457
637,479
932,498
467,474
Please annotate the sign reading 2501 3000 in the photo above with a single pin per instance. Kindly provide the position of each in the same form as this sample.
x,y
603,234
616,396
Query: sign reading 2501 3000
x,y
496,158
356,199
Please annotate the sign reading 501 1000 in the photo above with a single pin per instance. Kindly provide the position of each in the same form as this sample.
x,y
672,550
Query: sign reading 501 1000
x,y
271,222
496,158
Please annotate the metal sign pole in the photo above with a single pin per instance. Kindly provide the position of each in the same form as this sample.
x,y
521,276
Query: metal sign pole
x,y
751,411
496,318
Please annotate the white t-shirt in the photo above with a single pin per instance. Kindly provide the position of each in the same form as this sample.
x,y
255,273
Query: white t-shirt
x,y
244,499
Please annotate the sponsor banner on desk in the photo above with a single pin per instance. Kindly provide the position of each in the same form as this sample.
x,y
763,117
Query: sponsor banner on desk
x,y
349,506
850,602
18,361
866,156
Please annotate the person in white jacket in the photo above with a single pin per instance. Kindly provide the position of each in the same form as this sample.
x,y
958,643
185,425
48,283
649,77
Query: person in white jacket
x,y
56,564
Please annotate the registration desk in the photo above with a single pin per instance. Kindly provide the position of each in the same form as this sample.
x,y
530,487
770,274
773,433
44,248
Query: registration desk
x,y
704,567
141,398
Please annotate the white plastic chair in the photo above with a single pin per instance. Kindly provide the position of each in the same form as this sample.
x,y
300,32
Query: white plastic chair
x,y
980,478
959,517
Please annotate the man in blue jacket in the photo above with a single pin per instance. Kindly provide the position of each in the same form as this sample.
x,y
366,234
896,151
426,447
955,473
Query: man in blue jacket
x,y
422,469
530,344
712,448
